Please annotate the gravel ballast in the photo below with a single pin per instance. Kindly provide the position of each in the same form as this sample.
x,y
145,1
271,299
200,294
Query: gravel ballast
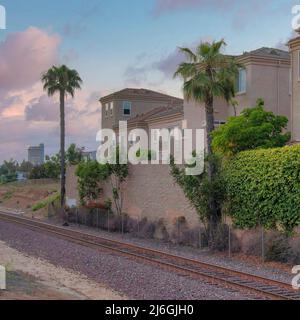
x,y
263,270
134,279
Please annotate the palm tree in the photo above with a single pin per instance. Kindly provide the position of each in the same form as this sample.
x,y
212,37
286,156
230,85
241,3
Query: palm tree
x,y
209,74
63,81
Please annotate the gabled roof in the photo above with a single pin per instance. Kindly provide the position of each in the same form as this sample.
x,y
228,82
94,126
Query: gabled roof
x,y
139,94
167,112
157,113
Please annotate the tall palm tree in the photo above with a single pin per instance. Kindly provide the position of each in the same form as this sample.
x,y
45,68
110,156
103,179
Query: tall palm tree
x,y
208,74
63,81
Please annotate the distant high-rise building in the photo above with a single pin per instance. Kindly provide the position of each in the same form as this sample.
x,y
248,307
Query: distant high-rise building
x,y
36,155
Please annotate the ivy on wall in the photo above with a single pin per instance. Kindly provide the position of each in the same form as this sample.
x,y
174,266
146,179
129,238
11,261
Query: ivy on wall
x,y
263,188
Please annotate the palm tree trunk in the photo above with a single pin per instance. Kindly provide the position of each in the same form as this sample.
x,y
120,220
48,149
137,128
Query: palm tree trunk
x,y
62,154
211,170
210,127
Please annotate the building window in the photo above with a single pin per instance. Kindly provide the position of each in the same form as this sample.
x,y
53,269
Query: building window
x,y
126,108
242,81
111,108
218,123
106,110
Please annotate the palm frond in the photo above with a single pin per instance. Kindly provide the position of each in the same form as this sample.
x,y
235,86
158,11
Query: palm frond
x,y
189,54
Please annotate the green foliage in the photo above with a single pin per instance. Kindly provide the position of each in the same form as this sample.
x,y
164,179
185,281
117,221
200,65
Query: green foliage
x,y
25,166
145,154
263,188
108,204
90,175
199,190
43,204
254,128
74,155
118,174
8,171
215,78
49,170
61,79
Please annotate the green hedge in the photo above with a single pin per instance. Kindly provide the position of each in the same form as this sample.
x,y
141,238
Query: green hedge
x,y
263,188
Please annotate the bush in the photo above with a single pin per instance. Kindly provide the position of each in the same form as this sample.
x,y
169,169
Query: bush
x,y
46,202
254,128
263,188
277,248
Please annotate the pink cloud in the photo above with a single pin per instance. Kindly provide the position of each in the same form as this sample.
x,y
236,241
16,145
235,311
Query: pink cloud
x,y
25,55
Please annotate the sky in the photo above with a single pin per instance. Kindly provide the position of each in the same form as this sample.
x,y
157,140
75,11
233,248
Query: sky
x,y
113,44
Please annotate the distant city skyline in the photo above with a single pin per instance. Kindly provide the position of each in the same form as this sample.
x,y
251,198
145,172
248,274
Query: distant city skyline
x,y
113,45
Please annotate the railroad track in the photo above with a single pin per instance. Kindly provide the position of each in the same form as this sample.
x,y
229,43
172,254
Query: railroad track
x,y
237,280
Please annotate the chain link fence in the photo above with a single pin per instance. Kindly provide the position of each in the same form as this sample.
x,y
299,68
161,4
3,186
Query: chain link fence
x,y
265,245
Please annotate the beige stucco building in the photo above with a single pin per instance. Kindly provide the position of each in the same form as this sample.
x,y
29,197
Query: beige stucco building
x,y
266,75
294,46
130,103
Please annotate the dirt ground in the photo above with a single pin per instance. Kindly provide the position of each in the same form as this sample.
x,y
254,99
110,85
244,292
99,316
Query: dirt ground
x,y
22,196
29,278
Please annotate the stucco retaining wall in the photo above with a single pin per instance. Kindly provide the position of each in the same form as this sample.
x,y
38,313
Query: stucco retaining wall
x,y
150,192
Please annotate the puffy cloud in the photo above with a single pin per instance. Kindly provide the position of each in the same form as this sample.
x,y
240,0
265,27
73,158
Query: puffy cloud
x,y
25,55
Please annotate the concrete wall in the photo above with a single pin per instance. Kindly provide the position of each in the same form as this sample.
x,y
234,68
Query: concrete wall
x,y
150,192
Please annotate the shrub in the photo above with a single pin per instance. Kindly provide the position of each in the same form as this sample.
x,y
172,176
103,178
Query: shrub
x,y
263,188
46,202
277,248
254,128
90,175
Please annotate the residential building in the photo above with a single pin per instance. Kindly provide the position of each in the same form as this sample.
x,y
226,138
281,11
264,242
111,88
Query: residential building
x,y
294,46
129,103
36,154
266,75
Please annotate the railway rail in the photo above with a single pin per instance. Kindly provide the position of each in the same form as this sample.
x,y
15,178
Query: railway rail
x,y
230,278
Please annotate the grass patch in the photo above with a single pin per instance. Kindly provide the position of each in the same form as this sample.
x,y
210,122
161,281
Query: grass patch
x,y
44,203
7,195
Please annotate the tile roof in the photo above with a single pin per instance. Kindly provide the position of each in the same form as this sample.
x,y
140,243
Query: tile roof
x,y
137,93
157,113
269,52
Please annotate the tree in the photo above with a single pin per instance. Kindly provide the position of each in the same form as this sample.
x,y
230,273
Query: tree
x,y
74,155
38,172
118,174
25,166
209,74
63,81
255,128
90,176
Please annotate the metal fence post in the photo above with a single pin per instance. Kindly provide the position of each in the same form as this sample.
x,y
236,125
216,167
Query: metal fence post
x,y
263,244
108,220
178,231
200,239
229,240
